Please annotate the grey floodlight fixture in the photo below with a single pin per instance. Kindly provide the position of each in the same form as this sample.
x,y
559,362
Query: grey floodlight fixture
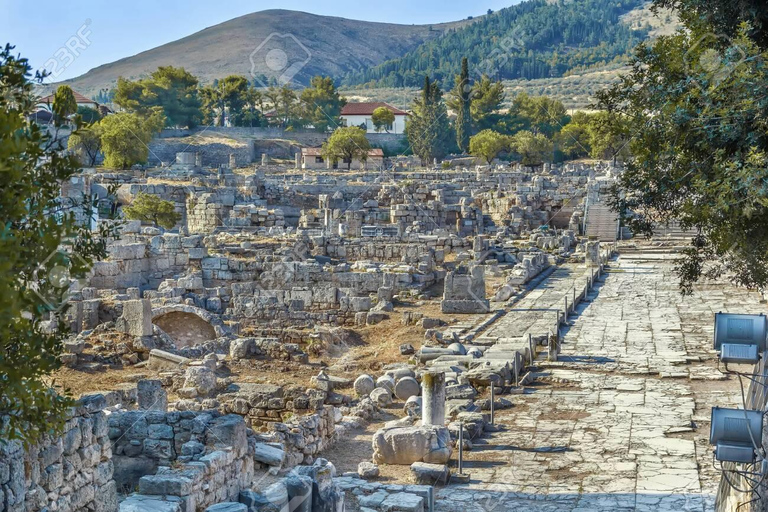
x,y
739,329
732,452
740,338
739,354
734,432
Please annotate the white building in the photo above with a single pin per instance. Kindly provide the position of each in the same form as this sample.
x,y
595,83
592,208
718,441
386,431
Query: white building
x,y
312,158
359,114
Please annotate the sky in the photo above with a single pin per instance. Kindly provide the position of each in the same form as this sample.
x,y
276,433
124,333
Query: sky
x,y
102,31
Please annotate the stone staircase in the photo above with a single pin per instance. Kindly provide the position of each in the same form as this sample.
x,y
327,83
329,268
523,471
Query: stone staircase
x,y
673,231
602,223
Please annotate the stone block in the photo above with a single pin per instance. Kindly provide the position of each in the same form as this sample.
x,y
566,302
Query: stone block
x,y
406,445
403,502
227,507
151,395
430,474
136,319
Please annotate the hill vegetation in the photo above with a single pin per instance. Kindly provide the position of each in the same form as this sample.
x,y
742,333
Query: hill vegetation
x,y
532,40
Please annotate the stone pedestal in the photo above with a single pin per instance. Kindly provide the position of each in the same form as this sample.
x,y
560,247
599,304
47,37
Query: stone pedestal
x,y
592,258
433,399
137,318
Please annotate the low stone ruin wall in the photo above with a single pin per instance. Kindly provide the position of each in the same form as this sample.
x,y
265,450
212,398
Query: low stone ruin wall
x,y
69,473
202,479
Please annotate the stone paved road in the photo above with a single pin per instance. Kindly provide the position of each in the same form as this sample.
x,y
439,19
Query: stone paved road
x,y
621,421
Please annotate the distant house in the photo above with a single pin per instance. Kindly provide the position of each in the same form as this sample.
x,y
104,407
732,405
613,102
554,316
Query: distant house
x,y
46,103
359,114
312,158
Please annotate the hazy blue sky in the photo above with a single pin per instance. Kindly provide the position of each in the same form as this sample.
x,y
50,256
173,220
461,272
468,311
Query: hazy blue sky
x,y
121,28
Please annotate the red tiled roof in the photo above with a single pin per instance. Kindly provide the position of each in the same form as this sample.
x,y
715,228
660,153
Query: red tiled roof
x,y
79,98
366,109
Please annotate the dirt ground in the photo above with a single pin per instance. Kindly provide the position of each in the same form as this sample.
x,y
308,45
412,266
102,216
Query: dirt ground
x,y
373,348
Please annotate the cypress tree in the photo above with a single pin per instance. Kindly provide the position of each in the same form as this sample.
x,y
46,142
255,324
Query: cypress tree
x,y
463,117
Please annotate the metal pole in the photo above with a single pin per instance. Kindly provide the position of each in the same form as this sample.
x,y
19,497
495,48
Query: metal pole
x,y
461,447
531,347
514,369
493,399
574,298
565,299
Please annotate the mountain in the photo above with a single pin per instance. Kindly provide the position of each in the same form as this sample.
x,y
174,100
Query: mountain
x,y
314,44
531,40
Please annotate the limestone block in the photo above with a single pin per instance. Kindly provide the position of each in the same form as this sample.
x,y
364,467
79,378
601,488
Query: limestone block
x,y
406,445
141,503
200,378
242,348
227,507
136,319
151,395
404,502
382,397
299,489
367,470
268,454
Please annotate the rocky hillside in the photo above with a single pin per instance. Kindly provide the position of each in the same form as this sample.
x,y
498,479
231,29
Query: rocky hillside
x,y
314,45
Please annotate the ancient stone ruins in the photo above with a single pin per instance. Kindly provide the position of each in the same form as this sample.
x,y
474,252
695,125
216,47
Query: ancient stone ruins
x,y
411,340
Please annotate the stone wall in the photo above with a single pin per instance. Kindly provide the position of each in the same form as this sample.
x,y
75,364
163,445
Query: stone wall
x,y
69,473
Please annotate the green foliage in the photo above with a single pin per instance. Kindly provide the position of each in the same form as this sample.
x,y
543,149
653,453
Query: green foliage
x,y
487,100
321,104
86,144
125,137
172,89
533,148
723,17
609,136
346,144
151,208
383,119
43,246
88,115
488,144
540,114
235,97
533,39
64,103
428,129
700,147
573,139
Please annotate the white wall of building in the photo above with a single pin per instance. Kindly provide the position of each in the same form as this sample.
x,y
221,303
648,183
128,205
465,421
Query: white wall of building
x,y
398,126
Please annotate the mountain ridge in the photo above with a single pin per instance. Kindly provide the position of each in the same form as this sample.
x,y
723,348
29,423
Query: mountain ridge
x,y
335,46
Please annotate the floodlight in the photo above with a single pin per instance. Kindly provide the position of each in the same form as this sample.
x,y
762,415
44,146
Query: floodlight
x,y
738,329
732,452
736,426
739,354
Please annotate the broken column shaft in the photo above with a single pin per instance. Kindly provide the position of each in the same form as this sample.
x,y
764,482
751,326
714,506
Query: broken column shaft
x,y
433,398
